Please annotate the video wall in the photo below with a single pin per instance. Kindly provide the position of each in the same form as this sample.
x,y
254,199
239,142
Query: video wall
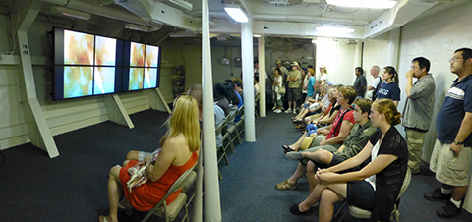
x,y
87,65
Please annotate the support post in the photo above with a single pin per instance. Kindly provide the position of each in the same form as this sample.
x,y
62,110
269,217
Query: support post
x,y
247,48
262,75
393,47
157,101
212,190
116,112
38,129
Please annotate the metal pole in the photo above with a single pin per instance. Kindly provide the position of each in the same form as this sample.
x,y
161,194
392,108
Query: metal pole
x,y
247,48
262,75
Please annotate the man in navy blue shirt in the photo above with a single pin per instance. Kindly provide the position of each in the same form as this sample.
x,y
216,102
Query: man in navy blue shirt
x,y
453,148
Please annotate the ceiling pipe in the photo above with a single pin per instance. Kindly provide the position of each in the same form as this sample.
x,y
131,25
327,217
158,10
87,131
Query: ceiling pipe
x,y
106,12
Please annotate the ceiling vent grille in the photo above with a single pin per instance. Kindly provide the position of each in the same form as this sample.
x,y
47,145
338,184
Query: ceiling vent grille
x,y
279,3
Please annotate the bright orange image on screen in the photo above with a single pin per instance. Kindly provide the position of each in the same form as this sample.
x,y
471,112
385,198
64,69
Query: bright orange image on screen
x,y
152,53
137,54
78,48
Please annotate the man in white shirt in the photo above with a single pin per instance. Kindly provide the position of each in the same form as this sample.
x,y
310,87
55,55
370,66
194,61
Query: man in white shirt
x,y
375,83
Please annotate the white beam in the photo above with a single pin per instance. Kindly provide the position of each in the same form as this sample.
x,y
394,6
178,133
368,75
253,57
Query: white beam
x,y
212,190
262,76
247,52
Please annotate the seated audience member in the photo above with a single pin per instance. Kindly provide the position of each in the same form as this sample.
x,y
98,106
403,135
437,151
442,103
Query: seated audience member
x,y
238,86
389,87
356,140
197,92
219,94
179,153
231,94
331,137
311,105
257,87
376,186
327,107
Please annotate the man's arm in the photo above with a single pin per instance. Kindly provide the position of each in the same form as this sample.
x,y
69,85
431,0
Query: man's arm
x,y
464,132
409,82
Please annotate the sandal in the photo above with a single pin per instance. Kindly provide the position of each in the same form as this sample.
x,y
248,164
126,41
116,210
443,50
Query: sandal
x,y
300,127
286,186
287,148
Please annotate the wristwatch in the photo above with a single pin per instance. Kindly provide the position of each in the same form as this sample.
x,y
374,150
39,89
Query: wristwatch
x,y
457,142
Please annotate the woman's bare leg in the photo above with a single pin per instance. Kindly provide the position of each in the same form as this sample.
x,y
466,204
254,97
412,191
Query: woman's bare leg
x,y
301,170
114,193
299,142
339,188
328,197
310,175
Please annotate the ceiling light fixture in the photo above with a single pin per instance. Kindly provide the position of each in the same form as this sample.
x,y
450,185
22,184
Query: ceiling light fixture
x,y
141,28
324,40
376,4
236,13
69,12
335,29
257,35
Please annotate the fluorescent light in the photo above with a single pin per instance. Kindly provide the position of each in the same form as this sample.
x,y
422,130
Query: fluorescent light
x,y
70,12
257,35
335,29
236,13
377,4
324,40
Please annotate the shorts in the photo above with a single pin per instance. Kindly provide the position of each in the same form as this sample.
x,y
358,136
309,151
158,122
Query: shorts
x,y
360,194
292,94
451,169
143,154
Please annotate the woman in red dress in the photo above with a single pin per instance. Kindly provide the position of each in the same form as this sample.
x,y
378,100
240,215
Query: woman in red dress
x,y
178,154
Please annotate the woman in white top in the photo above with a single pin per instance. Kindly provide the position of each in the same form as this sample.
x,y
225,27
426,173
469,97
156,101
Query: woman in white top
x,y
376,186
324,73
277,85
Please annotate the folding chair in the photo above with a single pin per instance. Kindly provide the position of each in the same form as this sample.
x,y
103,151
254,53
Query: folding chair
x,y
361,213
170,212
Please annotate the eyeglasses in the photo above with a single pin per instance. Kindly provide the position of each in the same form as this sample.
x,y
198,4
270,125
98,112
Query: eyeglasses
x,y
453,60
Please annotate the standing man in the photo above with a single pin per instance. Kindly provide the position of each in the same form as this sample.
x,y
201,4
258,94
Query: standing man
x,y
293,89
360,84
453,148
418,110
374,84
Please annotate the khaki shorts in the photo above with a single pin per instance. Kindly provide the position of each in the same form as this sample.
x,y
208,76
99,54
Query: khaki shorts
x,y
451,169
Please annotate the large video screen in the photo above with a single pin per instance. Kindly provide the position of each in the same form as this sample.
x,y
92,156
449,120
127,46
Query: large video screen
x,y
87,65
143,68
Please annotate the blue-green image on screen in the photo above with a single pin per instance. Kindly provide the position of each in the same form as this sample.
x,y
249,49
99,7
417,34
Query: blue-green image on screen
x,y
104,80
77,81
150,78
136,77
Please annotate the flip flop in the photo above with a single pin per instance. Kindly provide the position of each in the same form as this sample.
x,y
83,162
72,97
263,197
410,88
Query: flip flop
x,y
287,148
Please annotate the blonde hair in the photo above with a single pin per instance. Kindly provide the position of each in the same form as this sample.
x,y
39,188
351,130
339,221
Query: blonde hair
x,y
388,108
312,71
185,120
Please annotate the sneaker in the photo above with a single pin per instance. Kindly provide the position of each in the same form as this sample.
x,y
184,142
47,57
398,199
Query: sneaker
x,y
448,210
288,111
294,155
295,112
436,195
277,111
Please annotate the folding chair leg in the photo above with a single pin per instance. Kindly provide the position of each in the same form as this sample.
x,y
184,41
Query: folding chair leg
x,y
339,211
232,147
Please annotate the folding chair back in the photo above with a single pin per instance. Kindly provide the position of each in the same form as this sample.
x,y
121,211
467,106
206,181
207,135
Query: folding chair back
x,y
171,211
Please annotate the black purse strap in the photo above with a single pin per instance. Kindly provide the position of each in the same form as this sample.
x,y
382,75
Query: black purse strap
x,y
342,119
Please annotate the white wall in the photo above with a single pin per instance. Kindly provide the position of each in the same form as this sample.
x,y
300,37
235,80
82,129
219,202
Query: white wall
x,y
375,53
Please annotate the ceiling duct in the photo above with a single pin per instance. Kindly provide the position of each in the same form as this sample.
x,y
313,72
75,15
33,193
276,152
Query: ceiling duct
x,y
182,5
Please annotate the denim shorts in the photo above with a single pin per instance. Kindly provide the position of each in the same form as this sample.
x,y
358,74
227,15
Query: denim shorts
x,y
361,194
